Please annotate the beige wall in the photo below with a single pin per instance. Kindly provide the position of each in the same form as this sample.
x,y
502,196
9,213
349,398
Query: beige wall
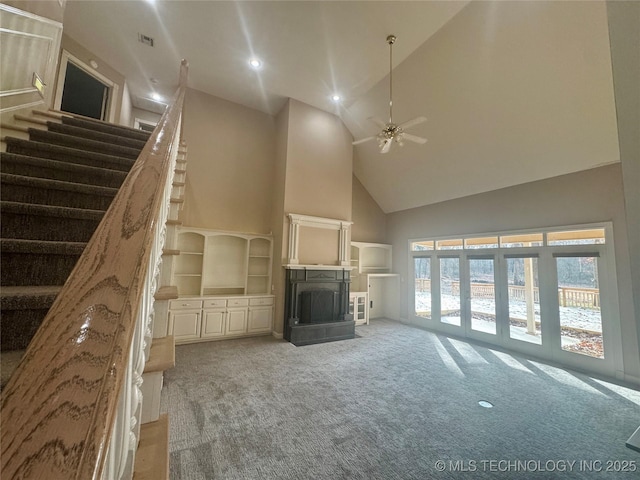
x,y
126,108
319,164
313,176
590,196
231,154
78,51
318,175
369,221
280,229
150,117
624,18
45,8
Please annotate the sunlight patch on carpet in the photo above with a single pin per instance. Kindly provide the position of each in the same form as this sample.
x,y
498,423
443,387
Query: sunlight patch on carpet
x,y
565,377
446,358
509,361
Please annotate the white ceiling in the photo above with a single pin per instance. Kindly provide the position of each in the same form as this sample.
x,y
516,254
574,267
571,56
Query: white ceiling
x,y
313,49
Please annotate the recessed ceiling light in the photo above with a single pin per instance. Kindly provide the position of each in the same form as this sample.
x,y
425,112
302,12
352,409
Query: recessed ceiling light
x,y
156,97
485,404
336,98
255,63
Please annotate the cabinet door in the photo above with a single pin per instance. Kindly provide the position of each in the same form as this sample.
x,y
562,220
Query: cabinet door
x,y
184,325
260,319
213,323
236,321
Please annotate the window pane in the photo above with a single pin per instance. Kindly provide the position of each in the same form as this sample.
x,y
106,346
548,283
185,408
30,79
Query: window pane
x,y
486,242
523,240
424,245
524,299
450,291
579,305
483,295
422,269
449,244
576,237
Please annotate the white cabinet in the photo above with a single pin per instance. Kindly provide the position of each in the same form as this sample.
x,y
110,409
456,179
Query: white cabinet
x,y
185,319
359,307
213,322
236,321
260,315
212,318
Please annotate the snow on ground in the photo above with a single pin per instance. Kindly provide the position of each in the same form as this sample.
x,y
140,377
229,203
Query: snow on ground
x,y
575,317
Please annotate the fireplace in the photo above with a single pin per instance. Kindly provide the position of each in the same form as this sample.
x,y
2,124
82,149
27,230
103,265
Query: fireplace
x,y
317,306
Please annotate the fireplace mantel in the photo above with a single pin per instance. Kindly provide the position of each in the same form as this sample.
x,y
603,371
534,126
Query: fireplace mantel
x,y
342,226
317,267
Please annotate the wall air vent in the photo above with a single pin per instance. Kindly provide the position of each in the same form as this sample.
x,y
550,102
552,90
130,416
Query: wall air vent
x,y
145,39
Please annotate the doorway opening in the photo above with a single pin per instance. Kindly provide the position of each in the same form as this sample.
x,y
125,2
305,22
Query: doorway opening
x,y
84,94
84,91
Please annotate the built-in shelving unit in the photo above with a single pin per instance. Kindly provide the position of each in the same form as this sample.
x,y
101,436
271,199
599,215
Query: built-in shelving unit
x,y
222,263
371,257
224,285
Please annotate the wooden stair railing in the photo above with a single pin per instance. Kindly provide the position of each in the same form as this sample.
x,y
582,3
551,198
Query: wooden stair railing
x,y
72,408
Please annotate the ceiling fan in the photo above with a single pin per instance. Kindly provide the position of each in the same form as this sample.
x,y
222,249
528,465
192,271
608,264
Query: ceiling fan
x,y
390,131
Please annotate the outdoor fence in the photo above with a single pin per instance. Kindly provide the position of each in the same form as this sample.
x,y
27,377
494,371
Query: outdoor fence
x,y
567,296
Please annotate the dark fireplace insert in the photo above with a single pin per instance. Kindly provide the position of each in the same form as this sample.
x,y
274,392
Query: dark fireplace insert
x,y
317,306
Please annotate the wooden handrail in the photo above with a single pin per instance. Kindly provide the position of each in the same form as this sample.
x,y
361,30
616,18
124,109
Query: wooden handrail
x,y
59,408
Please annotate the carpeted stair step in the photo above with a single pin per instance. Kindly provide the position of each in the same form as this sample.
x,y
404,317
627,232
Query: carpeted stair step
x,y
107,128
66,154
19,188
35,262
9,362
70,141
44,222
17,164
23,309
95,135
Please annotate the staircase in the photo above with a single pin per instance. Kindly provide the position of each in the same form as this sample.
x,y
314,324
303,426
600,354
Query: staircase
x,y
59,175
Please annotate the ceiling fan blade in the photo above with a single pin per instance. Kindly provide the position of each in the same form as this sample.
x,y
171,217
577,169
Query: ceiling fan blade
x,y
413,122
362,140
378,122
387,145
413,138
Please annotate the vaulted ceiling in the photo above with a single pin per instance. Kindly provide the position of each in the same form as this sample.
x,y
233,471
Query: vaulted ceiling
x,y
514,91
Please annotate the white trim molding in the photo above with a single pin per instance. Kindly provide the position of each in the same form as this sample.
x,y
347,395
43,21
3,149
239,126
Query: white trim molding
x,y
296,221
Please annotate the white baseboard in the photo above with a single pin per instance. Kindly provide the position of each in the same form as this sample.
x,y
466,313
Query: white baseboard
x,y
277,335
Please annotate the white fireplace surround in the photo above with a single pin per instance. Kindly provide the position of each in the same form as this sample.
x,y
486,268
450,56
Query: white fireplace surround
x,y
342,226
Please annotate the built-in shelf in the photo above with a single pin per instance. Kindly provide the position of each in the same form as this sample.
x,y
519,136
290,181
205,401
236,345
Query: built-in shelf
x,y
371,257
222,263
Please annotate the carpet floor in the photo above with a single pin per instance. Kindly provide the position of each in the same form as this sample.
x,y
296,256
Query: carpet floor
x,y
397,402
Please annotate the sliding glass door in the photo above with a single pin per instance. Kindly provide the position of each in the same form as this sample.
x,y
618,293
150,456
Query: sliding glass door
x,y
539,293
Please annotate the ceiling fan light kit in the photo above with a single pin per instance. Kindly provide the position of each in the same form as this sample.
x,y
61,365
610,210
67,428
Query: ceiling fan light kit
x,y
390,131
